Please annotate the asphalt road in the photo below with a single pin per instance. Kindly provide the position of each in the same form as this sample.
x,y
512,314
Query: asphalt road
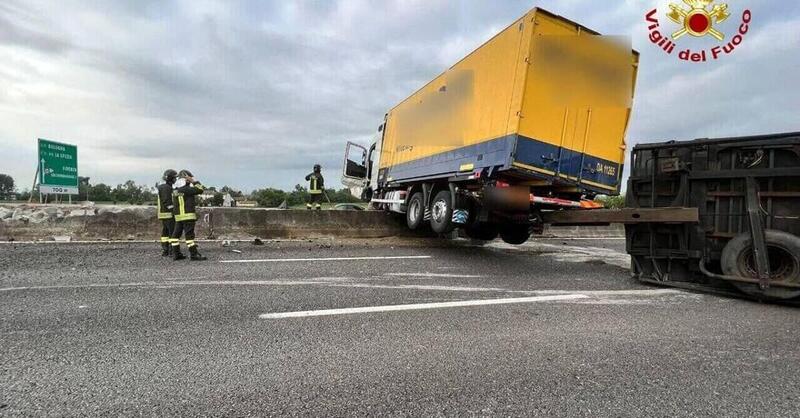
x,y
114,329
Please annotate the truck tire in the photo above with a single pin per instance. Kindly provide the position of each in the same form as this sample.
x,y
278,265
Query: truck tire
x,y
482,231
783,252
415,211
515,234
442,212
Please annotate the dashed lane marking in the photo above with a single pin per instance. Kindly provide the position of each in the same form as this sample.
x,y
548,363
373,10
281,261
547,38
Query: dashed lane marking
x,y
446,275
279,260
418,306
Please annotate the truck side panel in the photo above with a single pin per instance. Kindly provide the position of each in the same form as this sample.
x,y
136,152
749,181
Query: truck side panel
x,y
462,113
569,129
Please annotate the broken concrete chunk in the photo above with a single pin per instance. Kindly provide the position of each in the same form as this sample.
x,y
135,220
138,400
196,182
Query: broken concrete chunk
x,y
80,212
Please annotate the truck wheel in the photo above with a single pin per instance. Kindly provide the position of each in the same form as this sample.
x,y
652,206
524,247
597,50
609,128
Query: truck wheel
x,y
482,231
442,213
515,234
783,253
416,211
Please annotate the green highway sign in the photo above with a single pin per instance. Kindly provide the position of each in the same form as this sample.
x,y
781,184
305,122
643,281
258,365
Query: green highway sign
x,y
58,167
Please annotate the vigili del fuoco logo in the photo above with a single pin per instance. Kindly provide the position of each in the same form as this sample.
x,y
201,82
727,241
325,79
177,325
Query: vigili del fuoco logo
x,y
702,18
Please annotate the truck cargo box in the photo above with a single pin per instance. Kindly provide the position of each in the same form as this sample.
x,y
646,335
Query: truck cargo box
x,y
545,100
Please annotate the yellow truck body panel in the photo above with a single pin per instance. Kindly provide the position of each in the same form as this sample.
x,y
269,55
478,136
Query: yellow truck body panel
x,y
541,99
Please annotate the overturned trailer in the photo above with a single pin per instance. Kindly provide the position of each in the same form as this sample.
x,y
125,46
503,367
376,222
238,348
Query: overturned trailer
x,y
747,194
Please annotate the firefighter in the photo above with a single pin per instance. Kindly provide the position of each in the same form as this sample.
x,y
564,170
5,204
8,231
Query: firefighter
x,y
183,200
316,186
165,210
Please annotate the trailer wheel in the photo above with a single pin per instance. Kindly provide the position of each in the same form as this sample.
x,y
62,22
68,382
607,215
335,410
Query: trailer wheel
x,y
783,253
482,231
416,211
515,234
442,213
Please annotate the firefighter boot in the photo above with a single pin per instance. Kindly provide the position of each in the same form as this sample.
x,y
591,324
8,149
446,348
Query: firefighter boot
x,y
165,250
194,255
176,253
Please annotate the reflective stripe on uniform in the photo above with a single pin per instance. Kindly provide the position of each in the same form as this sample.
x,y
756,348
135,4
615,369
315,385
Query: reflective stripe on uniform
x,y
190,243
164,215
314,186
181,206
165,239
186,217
182,215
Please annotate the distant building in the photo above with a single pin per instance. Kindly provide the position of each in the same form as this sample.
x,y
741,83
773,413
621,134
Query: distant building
x,y
242,202
227,201
206,195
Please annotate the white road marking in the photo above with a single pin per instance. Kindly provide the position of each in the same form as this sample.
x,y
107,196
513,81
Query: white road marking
x,y
458,276
630,292
422,287
170,284
418,306
278,260
150,241
570,253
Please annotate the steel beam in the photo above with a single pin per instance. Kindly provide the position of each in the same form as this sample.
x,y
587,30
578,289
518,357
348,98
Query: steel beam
x,y
621,216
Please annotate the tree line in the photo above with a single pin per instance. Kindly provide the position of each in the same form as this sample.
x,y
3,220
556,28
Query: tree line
x,y
136,194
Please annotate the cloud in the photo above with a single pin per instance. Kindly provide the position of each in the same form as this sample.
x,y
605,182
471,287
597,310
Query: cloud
x,y
253,93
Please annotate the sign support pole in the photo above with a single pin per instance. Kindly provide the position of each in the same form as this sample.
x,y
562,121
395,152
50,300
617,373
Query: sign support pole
x,y
33,187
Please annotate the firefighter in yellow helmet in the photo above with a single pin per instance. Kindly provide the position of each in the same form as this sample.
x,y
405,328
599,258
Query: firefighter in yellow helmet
x,y
316,185
165,210
183,198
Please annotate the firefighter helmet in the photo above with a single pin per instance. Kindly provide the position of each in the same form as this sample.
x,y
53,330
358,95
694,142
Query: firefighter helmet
x,y
170,176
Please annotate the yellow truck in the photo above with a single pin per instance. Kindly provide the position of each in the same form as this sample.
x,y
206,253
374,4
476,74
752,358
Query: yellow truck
x,y
533,119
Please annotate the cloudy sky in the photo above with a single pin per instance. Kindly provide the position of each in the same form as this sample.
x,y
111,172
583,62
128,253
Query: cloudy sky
x,y
252,93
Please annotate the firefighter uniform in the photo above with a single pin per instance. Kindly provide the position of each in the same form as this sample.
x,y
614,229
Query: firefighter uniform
x,y
165,216
316,185
165,210
184,210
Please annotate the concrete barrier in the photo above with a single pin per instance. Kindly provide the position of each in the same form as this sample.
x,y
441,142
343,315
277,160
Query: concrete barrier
x,y
89,222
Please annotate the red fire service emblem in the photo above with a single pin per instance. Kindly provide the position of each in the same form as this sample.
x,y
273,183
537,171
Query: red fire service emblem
x,y
698,20
701,18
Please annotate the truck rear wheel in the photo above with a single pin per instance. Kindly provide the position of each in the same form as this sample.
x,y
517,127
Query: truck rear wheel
x,y
783,253
416,211
442,212
515,234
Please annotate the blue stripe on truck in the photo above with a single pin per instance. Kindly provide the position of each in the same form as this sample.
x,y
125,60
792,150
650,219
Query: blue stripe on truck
x,y
492,153
503,153
565,162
